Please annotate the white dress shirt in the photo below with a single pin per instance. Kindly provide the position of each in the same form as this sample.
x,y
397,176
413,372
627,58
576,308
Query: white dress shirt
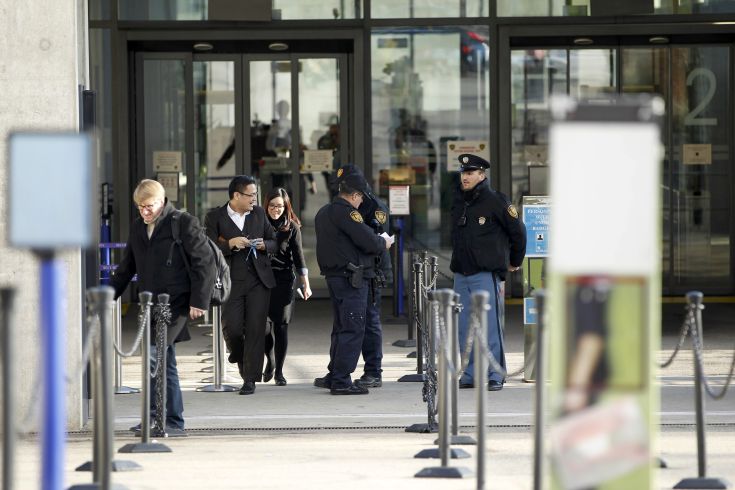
x,y
237,218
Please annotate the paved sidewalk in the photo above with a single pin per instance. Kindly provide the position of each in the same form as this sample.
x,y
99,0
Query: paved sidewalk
x,y
299,436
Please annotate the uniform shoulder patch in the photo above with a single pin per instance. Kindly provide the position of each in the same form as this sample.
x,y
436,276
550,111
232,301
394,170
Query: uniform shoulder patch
x,y
381,217
356,216
512,211
340,172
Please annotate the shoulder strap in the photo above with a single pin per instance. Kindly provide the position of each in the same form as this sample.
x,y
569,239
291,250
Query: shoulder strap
x,y
176,233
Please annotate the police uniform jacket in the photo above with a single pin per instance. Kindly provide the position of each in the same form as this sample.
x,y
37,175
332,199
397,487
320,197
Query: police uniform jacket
x,y
342,237
487,234
375,213
148,258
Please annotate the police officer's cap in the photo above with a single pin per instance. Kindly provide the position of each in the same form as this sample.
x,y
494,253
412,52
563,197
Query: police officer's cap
x,y
468,161
356,181
350,169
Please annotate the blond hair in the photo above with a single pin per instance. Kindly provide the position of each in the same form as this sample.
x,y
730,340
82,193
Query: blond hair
x,y
147,189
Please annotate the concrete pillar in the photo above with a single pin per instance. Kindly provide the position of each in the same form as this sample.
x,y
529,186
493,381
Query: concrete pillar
x,y
43,60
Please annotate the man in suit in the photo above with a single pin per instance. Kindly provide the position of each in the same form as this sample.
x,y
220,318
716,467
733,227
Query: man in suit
x,y
146,253
243,233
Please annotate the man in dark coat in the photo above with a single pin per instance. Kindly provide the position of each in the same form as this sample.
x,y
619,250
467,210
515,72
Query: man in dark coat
x,y
346,249
488,241
243,233
374,213
149,246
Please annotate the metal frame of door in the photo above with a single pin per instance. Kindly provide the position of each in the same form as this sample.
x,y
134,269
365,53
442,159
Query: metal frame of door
x,y
608,37
348,119
345,101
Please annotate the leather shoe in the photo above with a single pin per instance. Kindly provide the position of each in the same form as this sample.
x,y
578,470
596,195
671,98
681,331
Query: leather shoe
x,y
175,432
353,389
494,385
370,381
324,382
267,375
280,380
248,388
465,383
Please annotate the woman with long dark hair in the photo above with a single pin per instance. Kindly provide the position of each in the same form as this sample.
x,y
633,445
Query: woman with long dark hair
x,y
289,255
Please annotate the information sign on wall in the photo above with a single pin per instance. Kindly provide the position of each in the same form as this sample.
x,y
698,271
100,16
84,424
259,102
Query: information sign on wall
x,y
536,219
399,200
457,148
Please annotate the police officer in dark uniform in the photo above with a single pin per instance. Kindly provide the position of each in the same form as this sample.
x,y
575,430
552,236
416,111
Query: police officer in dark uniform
x,y
488,239
374,213
346,248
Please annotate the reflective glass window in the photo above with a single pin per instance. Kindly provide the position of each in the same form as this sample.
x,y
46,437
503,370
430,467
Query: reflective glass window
x,y
100,80
410,9
99,9
198,9
557,8
162,9
429,90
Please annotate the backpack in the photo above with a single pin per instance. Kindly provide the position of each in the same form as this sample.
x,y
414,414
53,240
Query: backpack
x,y
222,283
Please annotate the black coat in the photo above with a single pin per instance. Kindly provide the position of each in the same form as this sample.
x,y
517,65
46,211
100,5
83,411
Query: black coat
x,y
221,228
147,258
487,233
342,237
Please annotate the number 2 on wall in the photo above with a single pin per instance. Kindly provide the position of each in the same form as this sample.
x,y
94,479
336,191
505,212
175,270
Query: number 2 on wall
x,y
711,81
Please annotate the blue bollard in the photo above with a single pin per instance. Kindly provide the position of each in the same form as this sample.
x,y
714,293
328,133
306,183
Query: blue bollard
x,y
52,338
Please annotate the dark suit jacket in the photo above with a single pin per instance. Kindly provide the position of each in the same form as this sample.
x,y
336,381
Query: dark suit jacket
x,y
221,228
148,256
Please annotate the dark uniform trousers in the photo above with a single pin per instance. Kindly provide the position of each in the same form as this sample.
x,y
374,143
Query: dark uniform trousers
x,y
349,305
243,324
372,344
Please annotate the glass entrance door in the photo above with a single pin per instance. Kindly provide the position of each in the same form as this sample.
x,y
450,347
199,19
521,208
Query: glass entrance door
x,y
202,119
297,134
697,175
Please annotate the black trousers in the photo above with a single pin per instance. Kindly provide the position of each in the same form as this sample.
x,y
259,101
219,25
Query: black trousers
x,y
279,313
243,325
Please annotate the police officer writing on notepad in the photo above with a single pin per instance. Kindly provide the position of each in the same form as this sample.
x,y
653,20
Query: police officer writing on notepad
x,y
346,248
488,240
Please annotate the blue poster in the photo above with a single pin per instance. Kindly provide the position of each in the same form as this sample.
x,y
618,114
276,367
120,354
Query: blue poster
x,y
536,219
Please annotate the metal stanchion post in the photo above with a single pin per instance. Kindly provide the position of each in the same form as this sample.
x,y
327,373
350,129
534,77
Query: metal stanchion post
x,y
479,308
453,341
445,297
145,445
538,430
694,298
7,341
102,464
219,355
161,354
117,332
417,309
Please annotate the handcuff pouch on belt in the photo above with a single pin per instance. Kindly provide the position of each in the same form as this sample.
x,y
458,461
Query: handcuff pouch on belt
x,y
355,275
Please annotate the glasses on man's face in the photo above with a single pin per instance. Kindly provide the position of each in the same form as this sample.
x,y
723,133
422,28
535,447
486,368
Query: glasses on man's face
x,y
276,206
147,207
248,195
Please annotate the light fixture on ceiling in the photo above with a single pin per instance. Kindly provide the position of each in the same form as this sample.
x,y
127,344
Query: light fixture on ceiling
x,y
583,41
203,47
659,40
278,46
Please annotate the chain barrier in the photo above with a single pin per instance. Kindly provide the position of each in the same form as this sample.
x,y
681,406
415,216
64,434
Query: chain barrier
x,y
429,389
25,426
698,348
163,320
142,317
685,327
473,332
689,327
